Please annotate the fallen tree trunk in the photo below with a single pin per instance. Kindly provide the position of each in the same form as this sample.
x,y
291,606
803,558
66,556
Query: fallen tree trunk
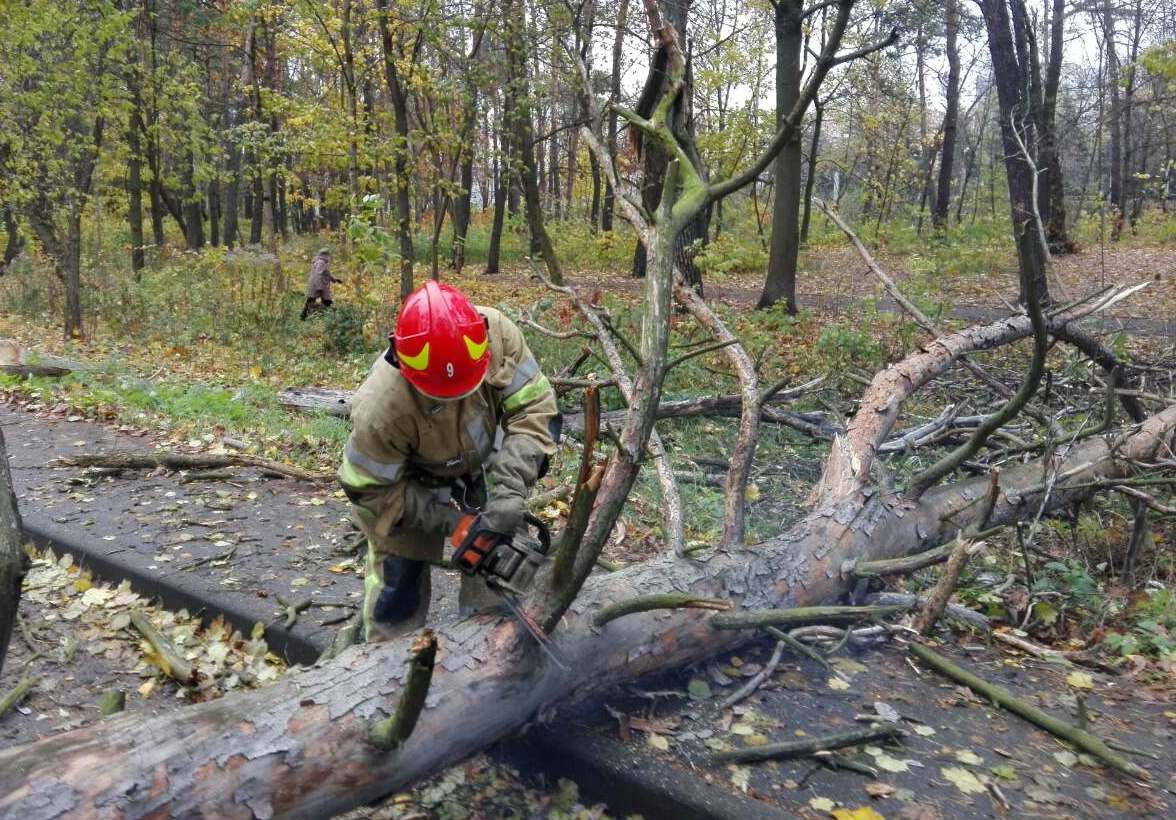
x,y
299,748
13,561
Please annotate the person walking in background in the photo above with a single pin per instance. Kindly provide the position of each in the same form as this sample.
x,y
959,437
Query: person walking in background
x,y
318,284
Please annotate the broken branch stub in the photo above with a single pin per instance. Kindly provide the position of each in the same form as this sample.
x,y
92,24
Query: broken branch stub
x,y
388,734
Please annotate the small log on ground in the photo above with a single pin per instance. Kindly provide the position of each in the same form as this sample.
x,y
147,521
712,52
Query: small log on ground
x,y
1082,739
26,370
16,694
189,461
317,400
13,561
808,746
167,657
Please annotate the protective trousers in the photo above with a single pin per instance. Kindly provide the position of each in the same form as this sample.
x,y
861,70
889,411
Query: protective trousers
x,y
397,587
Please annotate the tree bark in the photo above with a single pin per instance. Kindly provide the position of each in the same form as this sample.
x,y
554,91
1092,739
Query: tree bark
x,y
13,561
951,22
810,182
785,241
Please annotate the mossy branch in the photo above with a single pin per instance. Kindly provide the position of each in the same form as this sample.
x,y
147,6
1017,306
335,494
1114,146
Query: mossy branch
x,y
800,616
1082,739
389,733
167,657
17,694
646,603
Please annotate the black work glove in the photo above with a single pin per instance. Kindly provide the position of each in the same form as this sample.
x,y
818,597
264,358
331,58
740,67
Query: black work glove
x,y
512,473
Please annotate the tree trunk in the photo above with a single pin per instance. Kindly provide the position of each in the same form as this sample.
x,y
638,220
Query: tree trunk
x,y
501,195
135,167
300,748
1114,124
193,210
951,115
1010,77
785,241
14,242
609,206
399,96
518,110
1050,155
810,182
13,561
70,267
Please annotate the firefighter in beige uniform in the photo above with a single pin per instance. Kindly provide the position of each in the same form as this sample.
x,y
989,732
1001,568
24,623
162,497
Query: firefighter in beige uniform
x,y
456,410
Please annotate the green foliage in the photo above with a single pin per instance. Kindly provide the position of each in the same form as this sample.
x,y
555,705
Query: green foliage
x,y
843,344
343,329
731,253
1151,623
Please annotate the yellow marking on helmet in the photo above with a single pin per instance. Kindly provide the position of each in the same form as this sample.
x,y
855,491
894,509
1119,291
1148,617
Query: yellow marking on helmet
x,y
418,362
476,350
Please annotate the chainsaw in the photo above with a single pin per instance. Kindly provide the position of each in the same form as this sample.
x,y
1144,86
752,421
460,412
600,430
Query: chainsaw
x,y
507,565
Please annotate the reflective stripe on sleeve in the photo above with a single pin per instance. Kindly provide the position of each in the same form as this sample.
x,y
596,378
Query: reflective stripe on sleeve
x,y
386,471
536,389
528,368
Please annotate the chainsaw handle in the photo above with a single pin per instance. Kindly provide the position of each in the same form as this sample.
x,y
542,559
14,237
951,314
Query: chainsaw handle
x,y
540,525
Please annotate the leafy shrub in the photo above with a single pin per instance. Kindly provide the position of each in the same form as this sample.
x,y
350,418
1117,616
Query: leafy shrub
x,y
731,254
343,329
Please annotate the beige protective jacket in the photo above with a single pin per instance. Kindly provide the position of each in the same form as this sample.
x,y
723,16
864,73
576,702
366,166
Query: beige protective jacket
x,y
403,441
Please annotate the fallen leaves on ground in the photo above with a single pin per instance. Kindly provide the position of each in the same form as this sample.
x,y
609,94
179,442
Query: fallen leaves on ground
x,y
98,615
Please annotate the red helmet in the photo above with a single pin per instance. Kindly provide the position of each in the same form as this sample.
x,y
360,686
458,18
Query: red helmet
x,y
441,342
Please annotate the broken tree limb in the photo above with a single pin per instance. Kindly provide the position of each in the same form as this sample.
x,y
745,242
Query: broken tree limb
x,y
796,646
802,616
808,746
167,657
391,732
540,500
749,688
898,566
921,319
16,694
971,617
14,562
189,461
1002,697
647,603
848,467
671,498
743,452
300,745
945,586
